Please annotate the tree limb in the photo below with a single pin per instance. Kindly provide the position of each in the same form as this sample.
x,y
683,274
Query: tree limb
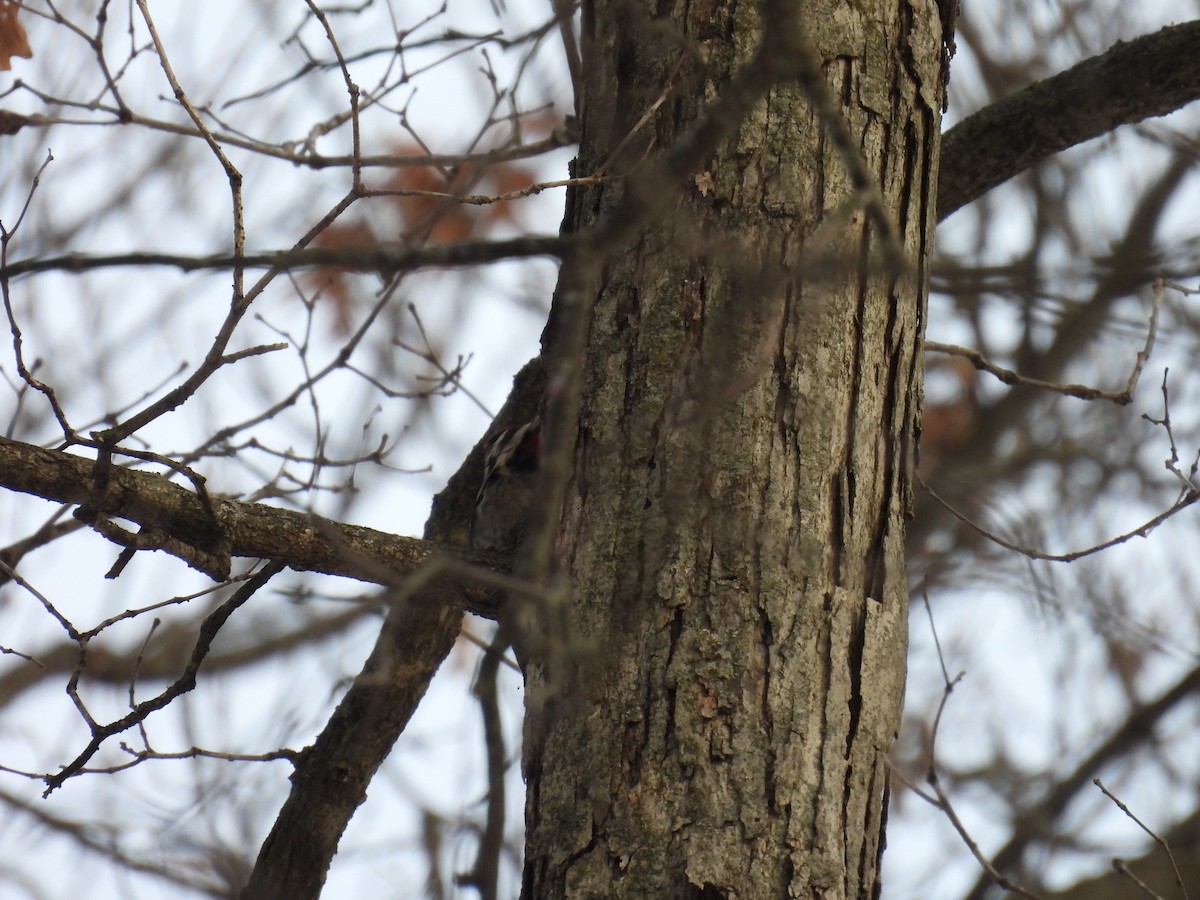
x,y
332,775
298,540
331,778
1151,76
386,259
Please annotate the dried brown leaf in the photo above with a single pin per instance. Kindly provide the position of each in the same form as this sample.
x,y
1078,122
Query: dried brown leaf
x,y
13,41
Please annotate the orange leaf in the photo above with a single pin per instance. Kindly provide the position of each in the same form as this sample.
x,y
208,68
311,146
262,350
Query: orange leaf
x,y
12,36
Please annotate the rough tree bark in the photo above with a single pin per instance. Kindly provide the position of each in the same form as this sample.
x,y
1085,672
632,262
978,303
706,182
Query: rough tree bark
x,y
734,526
734,530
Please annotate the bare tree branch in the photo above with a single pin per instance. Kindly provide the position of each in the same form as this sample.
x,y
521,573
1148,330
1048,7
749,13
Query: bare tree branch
x,y
331,777
298,540
1081,391
1035,823
1158,839
186,681
1185,500
1151,76
384,259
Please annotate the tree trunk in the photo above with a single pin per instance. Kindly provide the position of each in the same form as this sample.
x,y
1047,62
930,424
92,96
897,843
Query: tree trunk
x,y
734,531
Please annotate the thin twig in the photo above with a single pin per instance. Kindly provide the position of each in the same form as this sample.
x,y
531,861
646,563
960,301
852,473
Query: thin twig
x,y
25,371
940,799
479,642
352,89
1119,865
133,677
1142,530
62,620
232,174
1157,839
9,651
1079,391
936,642
386,259
1172,462
944,804
186,681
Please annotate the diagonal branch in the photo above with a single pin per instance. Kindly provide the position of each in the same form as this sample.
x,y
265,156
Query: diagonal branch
x,y
1135,80
331,777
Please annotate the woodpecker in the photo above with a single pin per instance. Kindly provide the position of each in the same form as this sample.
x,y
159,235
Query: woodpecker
x,y
509,473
